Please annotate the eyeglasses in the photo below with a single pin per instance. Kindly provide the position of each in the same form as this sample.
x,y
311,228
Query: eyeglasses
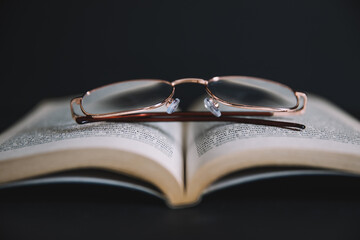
x,y
140,100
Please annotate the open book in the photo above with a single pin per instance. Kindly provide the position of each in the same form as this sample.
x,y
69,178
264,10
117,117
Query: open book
x,y
176,161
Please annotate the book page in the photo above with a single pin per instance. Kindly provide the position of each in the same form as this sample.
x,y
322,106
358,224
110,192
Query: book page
x,y
50,128
328,129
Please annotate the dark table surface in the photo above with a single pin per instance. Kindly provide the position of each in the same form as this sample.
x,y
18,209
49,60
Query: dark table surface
x,y
311,207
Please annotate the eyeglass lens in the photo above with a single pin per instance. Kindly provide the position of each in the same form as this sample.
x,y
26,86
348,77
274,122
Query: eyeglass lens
x,y
126,96
252,92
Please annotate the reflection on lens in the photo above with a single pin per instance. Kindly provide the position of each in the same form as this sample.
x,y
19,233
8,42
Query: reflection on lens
x,y
252,92
126,96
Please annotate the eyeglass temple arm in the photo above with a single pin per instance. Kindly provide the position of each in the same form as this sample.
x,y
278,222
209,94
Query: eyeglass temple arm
x,y
183,118
195,117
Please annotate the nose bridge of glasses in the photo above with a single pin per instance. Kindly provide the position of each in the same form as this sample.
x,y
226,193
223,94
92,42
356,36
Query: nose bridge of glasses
x,y
190,80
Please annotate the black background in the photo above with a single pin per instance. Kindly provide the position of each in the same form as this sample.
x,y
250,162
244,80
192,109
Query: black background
x,y
59,48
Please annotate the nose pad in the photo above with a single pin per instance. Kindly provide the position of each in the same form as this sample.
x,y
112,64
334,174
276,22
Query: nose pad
x,y
212,106
172,105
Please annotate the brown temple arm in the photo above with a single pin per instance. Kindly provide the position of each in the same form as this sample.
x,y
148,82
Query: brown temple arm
x,y
197,117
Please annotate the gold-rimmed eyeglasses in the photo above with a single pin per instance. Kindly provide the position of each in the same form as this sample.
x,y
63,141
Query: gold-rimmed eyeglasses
x,y
139,100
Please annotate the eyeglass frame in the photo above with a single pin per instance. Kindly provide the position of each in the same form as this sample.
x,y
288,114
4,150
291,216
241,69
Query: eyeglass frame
x,y
139,115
